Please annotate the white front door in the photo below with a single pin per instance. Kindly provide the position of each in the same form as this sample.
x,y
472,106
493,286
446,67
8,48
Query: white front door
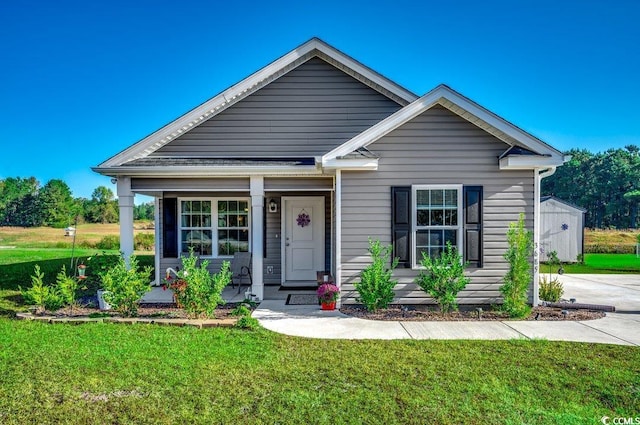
x,y
303,237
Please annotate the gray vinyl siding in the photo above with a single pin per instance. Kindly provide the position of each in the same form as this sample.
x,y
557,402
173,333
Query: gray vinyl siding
x,y
191,184
307,112
437,147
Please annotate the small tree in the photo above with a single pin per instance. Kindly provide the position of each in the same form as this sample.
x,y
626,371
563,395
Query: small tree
x,y
444,278
517,280
44,297
376,286
124,287
67,287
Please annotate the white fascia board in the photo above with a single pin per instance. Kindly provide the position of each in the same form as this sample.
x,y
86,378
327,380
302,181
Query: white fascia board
x,y
442,95
242,89
219,171
528,162
351,164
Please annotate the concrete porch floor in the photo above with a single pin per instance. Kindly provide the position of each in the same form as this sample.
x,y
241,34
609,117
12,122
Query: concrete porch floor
x,y
230,295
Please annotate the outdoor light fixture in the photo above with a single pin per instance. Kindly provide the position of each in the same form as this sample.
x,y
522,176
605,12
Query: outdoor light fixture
x,y
273,206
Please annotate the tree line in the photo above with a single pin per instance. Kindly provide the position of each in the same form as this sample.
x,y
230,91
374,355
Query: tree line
x,y
24,202
606,184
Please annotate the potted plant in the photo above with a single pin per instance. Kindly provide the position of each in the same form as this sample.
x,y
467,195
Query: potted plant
x,y
328,294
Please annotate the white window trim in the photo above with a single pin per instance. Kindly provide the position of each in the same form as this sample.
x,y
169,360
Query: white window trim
x,y
415,262
214,222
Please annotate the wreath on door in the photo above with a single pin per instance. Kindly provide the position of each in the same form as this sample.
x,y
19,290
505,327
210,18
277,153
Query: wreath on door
x,y
303,219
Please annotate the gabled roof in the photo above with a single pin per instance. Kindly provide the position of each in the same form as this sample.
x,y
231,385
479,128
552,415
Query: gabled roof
x,y
442,95
312,48
561,201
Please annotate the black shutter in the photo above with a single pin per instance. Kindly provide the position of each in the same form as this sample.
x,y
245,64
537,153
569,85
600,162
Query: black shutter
x,y
472,229
170,228
401,224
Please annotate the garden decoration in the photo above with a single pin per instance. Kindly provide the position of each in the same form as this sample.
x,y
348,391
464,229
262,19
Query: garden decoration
x,y
303,219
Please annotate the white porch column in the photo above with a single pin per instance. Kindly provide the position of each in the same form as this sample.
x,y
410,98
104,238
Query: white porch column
x,y
125,203
257,218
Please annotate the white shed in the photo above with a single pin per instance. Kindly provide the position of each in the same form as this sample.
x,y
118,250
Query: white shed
x,y
561,229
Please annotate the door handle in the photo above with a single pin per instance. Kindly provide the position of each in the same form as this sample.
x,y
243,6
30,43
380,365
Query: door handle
x,y
287,244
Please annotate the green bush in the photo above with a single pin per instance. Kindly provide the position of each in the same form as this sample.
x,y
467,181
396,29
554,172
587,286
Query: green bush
x,y
144,242
124,287
518,278
444,277
550,289
44,297
196,289
376,286
109,242
248,322
67,287
241,310
613,248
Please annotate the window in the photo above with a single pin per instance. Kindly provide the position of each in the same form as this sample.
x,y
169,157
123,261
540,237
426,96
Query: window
x,y
437,218
214,227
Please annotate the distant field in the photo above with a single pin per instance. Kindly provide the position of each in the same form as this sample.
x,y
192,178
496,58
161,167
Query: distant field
x,y
47,237
593,236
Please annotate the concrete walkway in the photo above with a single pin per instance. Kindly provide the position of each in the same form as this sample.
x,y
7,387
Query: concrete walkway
x,y
622,327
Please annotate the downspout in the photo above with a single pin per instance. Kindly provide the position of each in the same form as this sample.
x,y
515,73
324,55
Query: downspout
x,y
338,230
539,175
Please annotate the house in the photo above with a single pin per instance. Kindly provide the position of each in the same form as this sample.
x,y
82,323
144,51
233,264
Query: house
x,y
304,160
561,229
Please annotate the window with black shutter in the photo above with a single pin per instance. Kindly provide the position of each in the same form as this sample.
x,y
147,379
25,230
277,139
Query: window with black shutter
x,y
425,218
170,228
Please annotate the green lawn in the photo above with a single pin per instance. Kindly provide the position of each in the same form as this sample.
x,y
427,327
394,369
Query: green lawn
x,y
602,264
108,373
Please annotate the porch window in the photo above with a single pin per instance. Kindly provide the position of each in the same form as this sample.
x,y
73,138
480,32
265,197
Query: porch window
x,y
437,218
214,227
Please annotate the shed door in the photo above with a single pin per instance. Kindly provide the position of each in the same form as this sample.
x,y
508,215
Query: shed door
x,y
303,237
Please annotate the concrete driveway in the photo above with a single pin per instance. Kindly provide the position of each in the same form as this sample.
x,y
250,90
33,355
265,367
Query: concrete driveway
x,y
619,290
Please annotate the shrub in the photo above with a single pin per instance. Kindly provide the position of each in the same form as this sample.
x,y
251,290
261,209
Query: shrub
x,y
551,289
124,287
518,278
376,286
200,292
241,310
144,241
444,278
67,287
42,296
109,242
609,248
248,322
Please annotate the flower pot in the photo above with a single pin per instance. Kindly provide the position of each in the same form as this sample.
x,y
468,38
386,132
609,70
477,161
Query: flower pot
x,y
102,304
328,305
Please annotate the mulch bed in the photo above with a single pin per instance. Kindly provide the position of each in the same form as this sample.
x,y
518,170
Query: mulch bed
x,y
145,311
418,313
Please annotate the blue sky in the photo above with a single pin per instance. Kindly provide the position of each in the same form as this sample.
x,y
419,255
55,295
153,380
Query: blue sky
x,y
82,80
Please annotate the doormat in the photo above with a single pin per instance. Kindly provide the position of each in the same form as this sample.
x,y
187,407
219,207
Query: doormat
x,y
302,299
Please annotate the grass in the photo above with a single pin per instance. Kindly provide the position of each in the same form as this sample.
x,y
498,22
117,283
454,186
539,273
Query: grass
x,y
106,373
48,237
601,264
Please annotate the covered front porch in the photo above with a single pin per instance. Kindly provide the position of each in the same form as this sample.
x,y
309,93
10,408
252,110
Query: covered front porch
x,y
288,225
